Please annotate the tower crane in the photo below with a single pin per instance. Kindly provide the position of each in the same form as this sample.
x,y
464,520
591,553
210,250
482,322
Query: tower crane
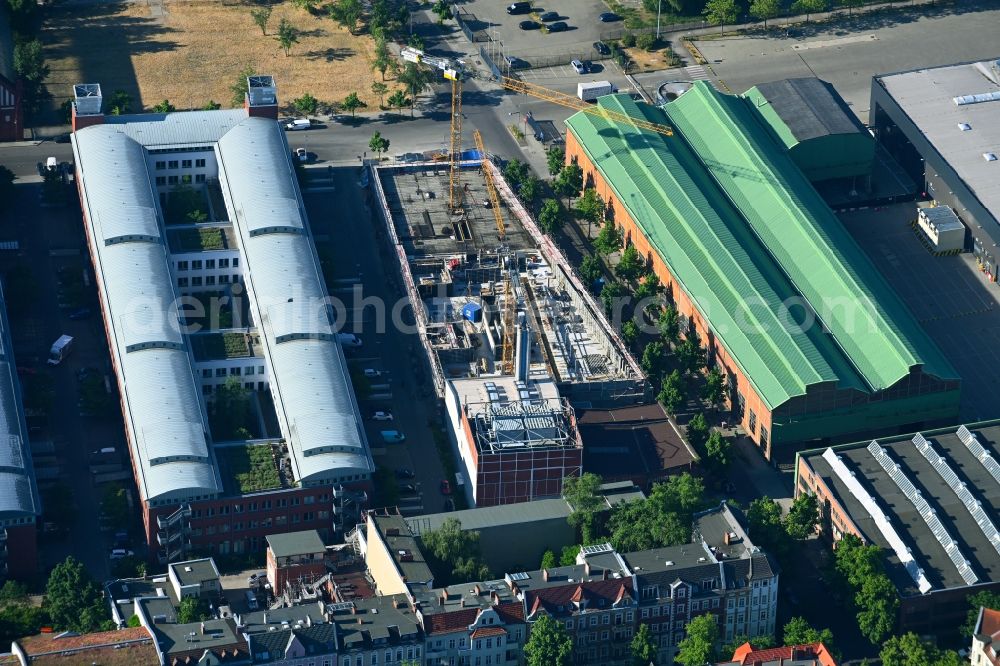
x,y
453,70
491,188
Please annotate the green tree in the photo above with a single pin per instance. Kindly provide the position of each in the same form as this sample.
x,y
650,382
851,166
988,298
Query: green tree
x,y
120,103
288,36
382,57
529,191
308,5
72,600
12,592
260,16
764,10
800,523
590,207
567,557
556,158
229,409
715,387
766,527
20,618
164,107
669,324
908,650
29,60
590,270
721,12
698,647
630,332
611,294
378,144
808,7
851,5
453,554
442,10
648,290
569,183
134,621
799,632
549,644
855,561
671,394
877,605
380,89
211,105
609,239
683,494
643,647
415,79
114,505
983,599
758,642
646,41
583,494
192,609
697,431
398,100
239,86
306,105
550,218
690,355
653,360
549,560
630,265
347,13
515,172
352,103
718,450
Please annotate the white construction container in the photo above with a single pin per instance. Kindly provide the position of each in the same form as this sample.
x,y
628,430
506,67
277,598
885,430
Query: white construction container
x,y
591,90
942,228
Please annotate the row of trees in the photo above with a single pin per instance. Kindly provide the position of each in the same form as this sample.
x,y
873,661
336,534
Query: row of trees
x,y
726,12
860,569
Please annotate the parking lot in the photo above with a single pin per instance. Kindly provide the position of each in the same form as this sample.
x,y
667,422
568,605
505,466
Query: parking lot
x,y
949,296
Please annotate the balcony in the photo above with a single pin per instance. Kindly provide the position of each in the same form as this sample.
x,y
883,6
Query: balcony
x,y
182,514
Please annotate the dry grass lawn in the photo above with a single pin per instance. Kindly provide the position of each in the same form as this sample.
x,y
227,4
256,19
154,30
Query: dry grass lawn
x,y
194,52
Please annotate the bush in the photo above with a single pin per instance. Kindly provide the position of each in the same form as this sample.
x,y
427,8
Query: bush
x,y
646,41
628,40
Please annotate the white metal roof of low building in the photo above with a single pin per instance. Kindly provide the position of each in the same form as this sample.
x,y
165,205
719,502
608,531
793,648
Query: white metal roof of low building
x,y
18,490
164,414
928,97
307,367
188,128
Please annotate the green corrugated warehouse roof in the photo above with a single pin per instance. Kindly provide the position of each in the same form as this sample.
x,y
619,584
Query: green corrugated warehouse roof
x,y
739,284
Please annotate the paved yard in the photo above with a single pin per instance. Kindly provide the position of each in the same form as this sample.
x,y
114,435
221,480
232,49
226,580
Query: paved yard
x,y
948,296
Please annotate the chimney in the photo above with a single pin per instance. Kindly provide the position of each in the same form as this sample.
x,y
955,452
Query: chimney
x,y
87,100
604,574
354,609
545,575
261,100
309,620
361,621
726,539
265,617
586,568
202,628
441,599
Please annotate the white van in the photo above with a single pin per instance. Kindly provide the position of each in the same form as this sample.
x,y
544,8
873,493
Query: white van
x,y
298,124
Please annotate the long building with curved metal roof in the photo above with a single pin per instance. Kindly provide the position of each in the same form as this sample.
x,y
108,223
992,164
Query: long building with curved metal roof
x,y
149,265
815,342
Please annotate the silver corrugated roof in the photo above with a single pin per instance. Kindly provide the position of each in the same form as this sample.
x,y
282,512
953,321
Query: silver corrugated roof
x,y
315,397
18,492
164,412
190,128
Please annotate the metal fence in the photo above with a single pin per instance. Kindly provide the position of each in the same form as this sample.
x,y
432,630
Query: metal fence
x,y
470,25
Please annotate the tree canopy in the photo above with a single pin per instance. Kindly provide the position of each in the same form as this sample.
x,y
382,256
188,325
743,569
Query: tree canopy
x,y
72,599
798,631
662,519
643,647
910,650
549,644
721,12
555,158
875,600
453,553
630,265
609,239
800,523
590,207
569,182
584,494
698,647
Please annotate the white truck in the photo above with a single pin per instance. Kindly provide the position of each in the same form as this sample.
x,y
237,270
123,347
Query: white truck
x,y
60,349
590,90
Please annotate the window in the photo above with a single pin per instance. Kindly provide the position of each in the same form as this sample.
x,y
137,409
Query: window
x,y
223,279
161,165
388,656
206,389
223,263
182,282
715,603
235,372
172,180
186,179
249,371
604,635
593,620
200,163
210,280
182,265
199,178
605,619
161,180
220,372
210,263
196,265
569,623
752,423
172,164
743,602
236,262
196,282
763,436
185,164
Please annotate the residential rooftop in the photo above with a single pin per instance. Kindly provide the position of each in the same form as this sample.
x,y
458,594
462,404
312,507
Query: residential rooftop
x,y
737,222
876,482
937,101
194,572
291,544
124,647
179,641
259,621
492,516
404,548
382,621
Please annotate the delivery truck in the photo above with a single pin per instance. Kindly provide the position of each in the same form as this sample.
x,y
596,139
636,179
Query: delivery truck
x,y
392,436
591,90
60,349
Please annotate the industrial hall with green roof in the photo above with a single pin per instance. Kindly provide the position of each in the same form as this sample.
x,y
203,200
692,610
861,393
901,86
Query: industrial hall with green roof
x,y
816,344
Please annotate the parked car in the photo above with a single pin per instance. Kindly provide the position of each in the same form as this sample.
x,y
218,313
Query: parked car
x,y
255,579
519,8
82,313
61,138
513,62
120,554
609,17
602,48
549,16
381,416
298,124
558,26
578,66
529,25
445,487
407,489
404,473
372,372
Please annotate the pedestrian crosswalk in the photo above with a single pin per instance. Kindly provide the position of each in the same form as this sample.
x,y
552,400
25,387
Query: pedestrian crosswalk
x,y
697,72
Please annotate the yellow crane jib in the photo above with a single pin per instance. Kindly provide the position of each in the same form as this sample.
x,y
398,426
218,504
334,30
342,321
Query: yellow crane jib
x,y
491,188
573,102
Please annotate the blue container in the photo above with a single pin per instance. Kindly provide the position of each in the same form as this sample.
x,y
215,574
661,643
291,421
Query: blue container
x,y
473,312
